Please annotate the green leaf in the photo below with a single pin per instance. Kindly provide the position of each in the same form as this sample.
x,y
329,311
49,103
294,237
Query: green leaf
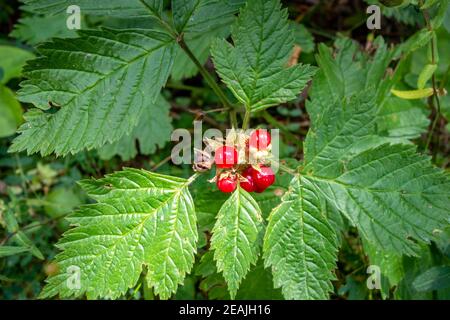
x,y
23,240
348,71
433,279
12,60
6,251
391,267
10,112
237,237
303,38
36,29
152,131
402,119
102,81
141,218
130,8
201,16
392,194
338,132
254,66
300,245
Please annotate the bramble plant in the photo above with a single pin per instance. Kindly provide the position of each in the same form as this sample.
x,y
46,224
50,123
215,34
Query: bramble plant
x,y
102,89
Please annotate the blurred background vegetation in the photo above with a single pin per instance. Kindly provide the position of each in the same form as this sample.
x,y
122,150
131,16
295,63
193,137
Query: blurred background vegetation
x,y
36,193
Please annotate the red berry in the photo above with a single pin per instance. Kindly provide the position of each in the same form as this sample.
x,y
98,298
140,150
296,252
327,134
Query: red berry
x,y
260,139
226,157
263,178
226,183
248,184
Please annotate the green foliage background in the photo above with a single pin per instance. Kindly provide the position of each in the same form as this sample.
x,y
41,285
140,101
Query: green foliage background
x,y
85,124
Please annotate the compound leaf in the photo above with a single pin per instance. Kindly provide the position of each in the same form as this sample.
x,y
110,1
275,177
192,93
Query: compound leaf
x,y
254,66
141,218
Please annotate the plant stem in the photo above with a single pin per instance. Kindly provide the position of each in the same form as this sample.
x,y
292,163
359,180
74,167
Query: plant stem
x,y
233,119
246,120
433,78
206,75
179,39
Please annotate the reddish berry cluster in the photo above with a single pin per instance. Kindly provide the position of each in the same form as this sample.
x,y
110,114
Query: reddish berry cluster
x,y
252,178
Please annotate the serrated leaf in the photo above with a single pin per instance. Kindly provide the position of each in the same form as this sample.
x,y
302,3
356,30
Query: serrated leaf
x,y
254,66
141,218
36,29
201,16
152,131
300,245
101,81
120,8
348,71
237,237
339,131
392,195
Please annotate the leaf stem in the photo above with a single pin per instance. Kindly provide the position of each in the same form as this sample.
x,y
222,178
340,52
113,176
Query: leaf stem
x,y
206,75
179,39
433,78
246,120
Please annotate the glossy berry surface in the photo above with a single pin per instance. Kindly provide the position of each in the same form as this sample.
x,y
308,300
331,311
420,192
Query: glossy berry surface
x,y
260,139
226,157
226,184
248,184
263,178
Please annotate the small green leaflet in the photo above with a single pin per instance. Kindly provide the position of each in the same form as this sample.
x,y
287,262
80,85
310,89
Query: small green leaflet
x,y
254,67
237,237
101,81
300,245
120,8
36,28
141,218
6,251
153,131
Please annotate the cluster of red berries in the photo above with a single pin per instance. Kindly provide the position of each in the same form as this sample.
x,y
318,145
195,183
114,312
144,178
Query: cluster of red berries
x,y
252,178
